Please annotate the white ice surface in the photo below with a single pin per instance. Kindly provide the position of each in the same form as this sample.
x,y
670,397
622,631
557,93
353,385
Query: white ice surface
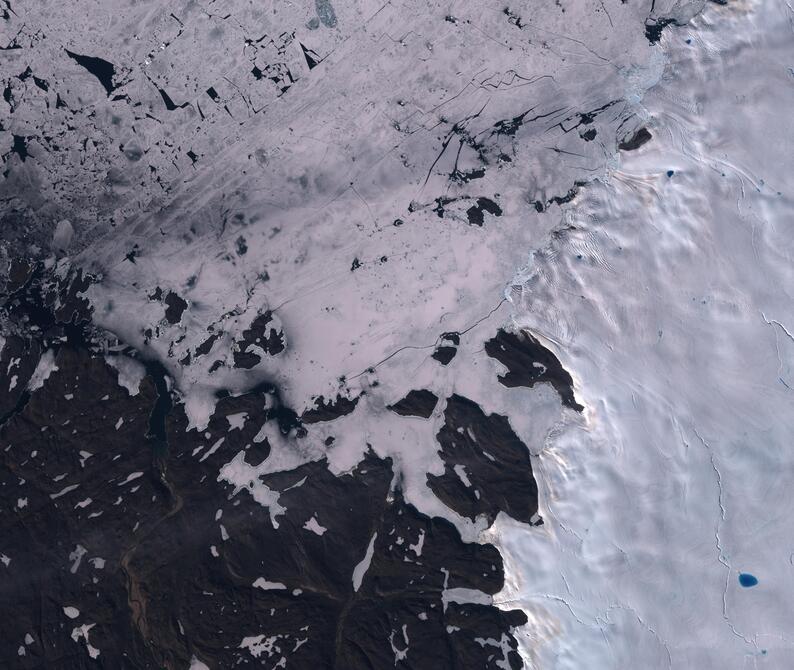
x,y
44,368
246,477
83,632
671,302
314,526
71,612
361,569
259,644
262,583
196,664
130,372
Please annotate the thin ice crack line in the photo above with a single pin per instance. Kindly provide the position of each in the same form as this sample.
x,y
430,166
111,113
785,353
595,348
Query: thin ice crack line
x,y
720,550
597,619
772,323
777,323
430,346
662,642
546,596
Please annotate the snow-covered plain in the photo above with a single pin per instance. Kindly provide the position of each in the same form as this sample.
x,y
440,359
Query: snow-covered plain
x,y
671,302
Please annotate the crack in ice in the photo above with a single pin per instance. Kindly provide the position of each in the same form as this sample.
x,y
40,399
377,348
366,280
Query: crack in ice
x,y
720,549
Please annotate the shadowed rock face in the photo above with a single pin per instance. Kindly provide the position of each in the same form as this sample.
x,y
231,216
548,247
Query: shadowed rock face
x,y
447,348
528,363
19,358
262,337
642,136
175,307
163,559
328,410
126,550
487,467
419,403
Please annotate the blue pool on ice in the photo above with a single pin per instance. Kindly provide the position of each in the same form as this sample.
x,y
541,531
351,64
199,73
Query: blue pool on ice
x,y
747,580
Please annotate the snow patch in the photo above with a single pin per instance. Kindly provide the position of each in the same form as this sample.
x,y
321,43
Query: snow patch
x,y
44,368
130,372
361,569
314,526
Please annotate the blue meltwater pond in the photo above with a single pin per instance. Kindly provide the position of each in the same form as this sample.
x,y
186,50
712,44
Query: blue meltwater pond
x,y
747,580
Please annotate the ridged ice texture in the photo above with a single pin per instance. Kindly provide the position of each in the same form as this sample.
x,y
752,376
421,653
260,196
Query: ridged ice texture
x,y
671,302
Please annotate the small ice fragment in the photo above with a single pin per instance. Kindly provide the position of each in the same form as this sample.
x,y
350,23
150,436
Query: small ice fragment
x,y
82,631
262,583
64,491
237,421
314,526
130,478
45,367
361,569
76,557
130,372
195,664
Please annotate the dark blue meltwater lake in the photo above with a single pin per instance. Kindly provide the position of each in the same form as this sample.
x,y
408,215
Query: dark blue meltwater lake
x,y
747,580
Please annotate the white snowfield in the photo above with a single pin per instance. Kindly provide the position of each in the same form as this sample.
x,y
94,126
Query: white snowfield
x,y
677,321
